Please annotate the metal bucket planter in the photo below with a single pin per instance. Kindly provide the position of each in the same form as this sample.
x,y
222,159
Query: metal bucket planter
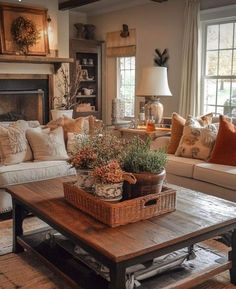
x,y
147,183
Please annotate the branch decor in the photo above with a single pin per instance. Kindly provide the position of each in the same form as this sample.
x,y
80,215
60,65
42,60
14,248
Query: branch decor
x,y
161,58
24,33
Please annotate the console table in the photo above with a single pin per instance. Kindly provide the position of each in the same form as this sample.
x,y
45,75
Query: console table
x,y
142,133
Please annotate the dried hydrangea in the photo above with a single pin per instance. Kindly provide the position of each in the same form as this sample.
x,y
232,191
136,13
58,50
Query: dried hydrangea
x,y
109,173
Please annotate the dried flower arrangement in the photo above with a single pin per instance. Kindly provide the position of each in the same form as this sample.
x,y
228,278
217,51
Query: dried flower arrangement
x,y
84,159
68,89
111,173
97,150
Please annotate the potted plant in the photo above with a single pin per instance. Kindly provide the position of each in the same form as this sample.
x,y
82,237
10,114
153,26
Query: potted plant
x,y
109,181
67,90
147,166
95,151
83,161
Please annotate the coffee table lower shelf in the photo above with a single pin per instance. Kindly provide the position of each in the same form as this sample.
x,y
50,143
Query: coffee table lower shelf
x,y
206,265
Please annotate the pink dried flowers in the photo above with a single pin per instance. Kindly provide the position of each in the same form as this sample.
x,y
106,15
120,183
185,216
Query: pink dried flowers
x,y
109,173
84,159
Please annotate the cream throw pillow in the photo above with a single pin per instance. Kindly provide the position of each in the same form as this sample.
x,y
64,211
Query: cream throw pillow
x,y
47,145
14,147
197,141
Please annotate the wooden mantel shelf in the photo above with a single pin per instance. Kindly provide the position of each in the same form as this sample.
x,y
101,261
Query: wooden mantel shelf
x,y
56,61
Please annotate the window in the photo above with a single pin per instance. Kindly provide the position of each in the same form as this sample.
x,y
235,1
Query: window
x,y
126,83
219,69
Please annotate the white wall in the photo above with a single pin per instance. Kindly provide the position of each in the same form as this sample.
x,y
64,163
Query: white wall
x,y
76,17
157,26
60,28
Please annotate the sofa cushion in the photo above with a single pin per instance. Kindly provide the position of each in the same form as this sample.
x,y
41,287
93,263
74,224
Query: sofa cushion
x,y
197,142
177,127
220,175
14,147
181,166
224,150
47,145
33,171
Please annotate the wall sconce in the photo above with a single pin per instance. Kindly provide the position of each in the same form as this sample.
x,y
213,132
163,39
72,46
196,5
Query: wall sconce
x,y
50,32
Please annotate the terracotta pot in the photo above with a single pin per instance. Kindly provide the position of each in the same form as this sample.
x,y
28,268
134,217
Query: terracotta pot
x,y
147,183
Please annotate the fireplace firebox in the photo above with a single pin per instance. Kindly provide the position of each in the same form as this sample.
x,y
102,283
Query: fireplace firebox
x,y
26,99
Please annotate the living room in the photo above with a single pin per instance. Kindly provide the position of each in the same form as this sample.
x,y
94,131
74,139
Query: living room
x,y
155,81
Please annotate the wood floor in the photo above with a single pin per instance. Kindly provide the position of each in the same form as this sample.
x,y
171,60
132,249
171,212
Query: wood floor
x,y
23,272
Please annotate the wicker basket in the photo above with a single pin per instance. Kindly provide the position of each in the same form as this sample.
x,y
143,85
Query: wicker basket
x,y
124,212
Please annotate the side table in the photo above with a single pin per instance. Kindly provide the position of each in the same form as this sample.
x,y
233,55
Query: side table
x,y
142,133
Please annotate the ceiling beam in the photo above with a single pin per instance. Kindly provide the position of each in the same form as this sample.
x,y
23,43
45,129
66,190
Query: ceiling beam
x,y
69,4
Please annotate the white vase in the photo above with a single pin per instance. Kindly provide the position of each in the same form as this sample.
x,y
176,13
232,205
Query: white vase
x,y
57,113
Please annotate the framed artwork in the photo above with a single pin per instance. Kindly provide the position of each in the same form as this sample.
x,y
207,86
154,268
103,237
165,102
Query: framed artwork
x,y
23,30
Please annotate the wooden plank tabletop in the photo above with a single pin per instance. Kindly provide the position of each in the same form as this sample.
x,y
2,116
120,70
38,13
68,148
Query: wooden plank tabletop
x,y
196,214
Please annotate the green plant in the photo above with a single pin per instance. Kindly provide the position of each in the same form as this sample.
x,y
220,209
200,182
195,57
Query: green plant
x,y
139,158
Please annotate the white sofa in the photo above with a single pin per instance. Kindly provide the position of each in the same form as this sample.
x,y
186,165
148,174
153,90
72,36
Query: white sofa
x,y
29,172
213,179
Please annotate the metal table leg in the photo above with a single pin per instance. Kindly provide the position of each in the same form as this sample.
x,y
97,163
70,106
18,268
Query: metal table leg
x,y
232,257
117,275
18,217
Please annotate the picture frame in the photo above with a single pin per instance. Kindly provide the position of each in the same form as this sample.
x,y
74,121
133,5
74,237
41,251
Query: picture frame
x,y
38,16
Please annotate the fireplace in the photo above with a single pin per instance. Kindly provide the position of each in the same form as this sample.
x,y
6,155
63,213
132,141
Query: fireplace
x,y
25,97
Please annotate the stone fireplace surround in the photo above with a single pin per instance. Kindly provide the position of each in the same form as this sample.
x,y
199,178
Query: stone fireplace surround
x,y
26,96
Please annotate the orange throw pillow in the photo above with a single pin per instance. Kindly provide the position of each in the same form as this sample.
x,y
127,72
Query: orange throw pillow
x,y
177,127
224,150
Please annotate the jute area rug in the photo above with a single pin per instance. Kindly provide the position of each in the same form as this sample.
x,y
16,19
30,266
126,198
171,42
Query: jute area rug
x,y
24,272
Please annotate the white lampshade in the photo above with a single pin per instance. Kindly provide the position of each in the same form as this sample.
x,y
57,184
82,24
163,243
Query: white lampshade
x,y
154,82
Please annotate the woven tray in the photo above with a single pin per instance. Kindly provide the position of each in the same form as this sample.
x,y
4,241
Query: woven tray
x,y
124,212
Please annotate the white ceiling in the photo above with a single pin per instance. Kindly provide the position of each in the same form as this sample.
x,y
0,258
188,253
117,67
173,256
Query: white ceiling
x,y
105,6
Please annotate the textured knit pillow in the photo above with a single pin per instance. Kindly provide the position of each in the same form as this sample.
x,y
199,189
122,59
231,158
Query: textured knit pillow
x,y
224,151
14,147
197,142
47,145
177,127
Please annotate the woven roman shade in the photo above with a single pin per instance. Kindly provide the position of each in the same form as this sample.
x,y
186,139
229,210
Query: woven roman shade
x,y
118,46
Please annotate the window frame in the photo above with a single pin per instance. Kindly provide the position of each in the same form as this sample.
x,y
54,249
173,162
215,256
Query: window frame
x,y
118,80
204,25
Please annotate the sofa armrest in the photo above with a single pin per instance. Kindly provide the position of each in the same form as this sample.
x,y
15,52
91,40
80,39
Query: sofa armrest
x,y
160,143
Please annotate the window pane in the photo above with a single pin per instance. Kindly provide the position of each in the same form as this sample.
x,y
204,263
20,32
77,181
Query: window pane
x,y
233,91
126,83
226,35
220,110
212,37
211,63
223,95
210,91
225,63
234,35
234,62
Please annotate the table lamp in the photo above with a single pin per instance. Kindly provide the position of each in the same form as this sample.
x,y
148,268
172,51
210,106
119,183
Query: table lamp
x,y
153,85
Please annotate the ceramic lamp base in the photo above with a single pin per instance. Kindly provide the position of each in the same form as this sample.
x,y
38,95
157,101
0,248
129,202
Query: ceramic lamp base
x,y
154,110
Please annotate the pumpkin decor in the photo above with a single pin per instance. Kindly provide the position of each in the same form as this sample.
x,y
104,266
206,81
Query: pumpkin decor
x,y
24,33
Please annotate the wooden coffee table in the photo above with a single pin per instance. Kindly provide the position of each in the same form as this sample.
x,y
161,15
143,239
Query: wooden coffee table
x,y
198,217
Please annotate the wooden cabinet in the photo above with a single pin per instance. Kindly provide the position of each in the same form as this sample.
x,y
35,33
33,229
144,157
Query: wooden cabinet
x,y
88,54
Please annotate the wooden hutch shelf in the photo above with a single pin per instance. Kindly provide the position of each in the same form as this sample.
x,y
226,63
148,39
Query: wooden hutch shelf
x,y
56,61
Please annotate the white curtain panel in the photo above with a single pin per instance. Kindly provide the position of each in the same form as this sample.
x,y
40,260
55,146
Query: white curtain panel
x,y
189,94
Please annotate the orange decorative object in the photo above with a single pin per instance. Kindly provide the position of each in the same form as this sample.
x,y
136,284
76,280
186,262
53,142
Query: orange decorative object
x,y
150,126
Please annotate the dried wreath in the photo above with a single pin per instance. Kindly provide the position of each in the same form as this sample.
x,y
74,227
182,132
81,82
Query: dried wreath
x,y
24,33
